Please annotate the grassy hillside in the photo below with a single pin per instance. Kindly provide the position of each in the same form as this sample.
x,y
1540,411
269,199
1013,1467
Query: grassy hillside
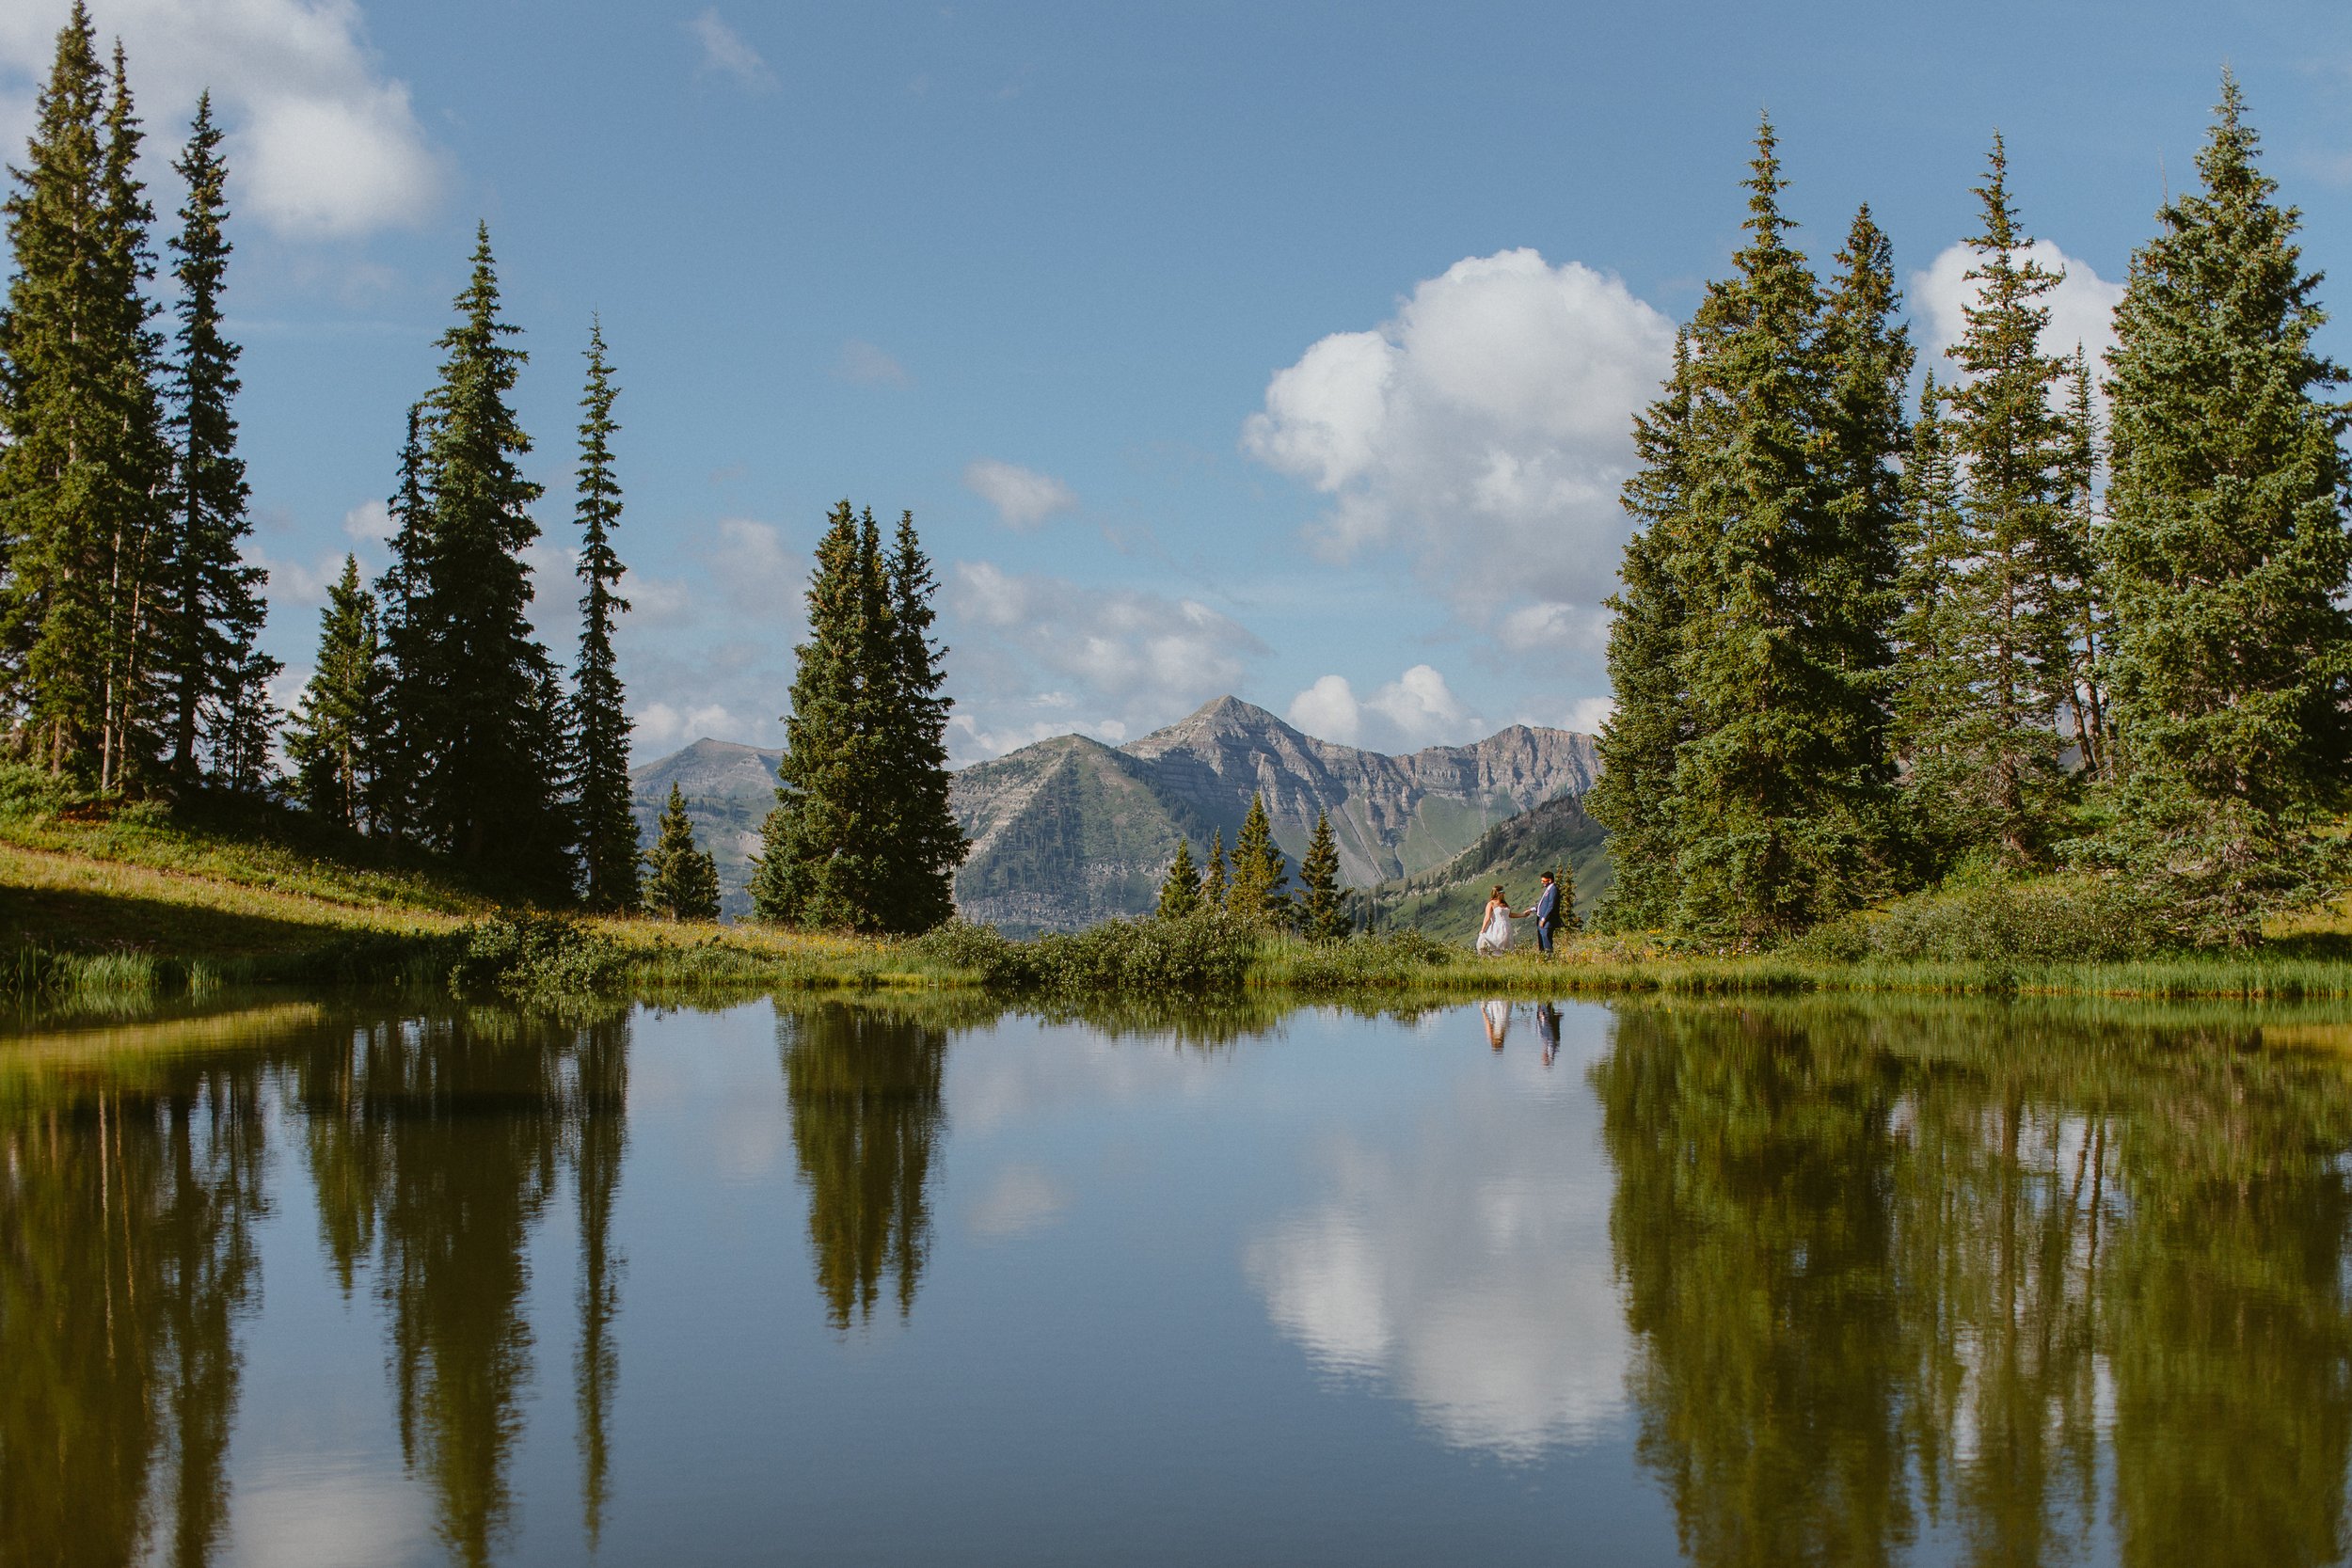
x,y
1447,902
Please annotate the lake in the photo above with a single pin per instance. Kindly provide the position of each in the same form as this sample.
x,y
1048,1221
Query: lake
x,y
290,1282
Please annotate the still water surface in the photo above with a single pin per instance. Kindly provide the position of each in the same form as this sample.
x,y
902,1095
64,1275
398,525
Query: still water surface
x,y
1781,1284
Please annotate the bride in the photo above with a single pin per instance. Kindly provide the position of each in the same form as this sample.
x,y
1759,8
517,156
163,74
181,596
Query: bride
x,y
1494,927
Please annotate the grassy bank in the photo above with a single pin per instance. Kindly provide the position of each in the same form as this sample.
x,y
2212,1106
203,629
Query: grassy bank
x,y
123,908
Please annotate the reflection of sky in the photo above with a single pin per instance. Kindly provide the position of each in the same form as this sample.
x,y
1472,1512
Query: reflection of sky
x,y
1462,1255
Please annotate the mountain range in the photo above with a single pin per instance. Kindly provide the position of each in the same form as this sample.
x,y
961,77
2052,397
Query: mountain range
x,y
1068,831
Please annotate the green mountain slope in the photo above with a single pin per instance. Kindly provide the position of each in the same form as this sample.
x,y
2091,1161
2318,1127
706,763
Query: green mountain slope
x,y
1448,901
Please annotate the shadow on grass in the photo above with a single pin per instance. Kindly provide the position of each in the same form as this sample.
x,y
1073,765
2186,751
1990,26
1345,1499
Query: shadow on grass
x,y
69,920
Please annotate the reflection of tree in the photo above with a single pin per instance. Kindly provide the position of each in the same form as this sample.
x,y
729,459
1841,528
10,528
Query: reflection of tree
x,y
863,1087
1750,1228
602,1138
438,1143
1882,1261
126,1258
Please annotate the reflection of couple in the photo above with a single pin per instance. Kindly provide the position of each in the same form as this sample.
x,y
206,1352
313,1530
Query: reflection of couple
x,y
1498,1017
1494,928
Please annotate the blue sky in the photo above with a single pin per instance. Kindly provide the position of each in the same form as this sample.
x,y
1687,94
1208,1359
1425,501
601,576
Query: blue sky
x,y
1276,349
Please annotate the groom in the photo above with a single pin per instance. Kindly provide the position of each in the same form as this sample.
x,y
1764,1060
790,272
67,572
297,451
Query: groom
x,y
1547,912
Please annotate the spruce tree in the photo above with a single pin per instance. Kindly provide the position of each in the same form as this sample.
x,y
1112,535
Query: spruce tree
x,y
1933,695
924,844
608,829
1258,879
2010,444
2226,550
1213,886
85,463
482,705
861,837
1321,917
2081,586
331,739
402,632
243,733
213,597
683,881
1179,890
1640,740
1782,792
820,848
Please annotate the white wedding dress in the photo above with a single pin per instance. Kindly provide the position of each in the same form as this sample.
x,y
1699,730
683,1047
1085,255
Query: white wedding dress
x,y
1496,937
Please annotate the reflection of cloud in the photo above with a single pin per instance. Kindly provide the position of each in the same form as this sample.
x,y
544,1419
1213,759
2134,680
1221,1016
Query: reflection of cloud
x,y
1468,1262
1022,1200
1065,1067
309,1509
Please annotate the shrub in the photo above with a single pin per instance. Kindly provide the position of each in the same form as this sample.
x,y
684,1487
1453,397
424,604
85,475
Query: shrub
x,y
1195,955
2073,919
527,955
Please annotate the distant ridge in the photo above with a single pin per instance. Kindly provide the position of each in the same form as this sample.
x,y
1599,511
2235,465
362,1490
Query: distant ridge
x,y
1069,831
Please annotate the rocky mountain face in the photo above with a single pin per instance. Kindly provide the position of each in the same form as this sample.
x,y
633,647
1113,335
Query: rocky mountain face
x,y
1069,831
729,790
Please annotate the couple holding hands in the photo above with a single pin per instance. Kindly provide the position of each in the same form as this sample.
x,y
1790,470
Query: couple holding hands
x,y
1494,928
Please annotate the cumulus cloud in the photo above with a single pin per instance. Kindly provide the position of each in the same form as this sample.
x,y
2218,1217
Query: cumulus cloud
x,y
1487,429
1414,710
369,523
724,52
864,365
2082,306
1039,655
1023,497
322,144
663,727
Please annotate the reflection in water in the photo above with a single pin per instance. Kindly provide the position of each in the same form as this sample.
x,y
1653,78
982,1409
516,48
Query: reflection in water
x,y
436,1144
127,1258
1463,1259
866,1121
1905,1267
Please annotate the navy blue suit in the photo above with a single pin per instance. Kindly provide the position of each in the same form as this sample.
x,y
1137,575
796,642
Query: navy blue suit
x,y
1546,915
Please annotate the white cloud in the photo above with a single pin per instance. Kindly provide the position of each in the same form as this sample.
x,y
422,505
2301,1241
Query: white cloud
x,y
370,523
2082,306
1037,656
1023,1200
322,144
656,601
1023,497
724,51
760,576
864,365
1487,429
1414,710
660,726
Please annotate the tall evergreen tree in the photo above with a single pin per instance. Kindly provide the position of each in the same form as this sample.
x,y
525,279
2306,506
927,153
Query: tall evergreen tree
x,y
1179,890
2010,443
821,854
1214,882
862,836
242,732
2226,548
684,880
1256,892
924,844
1644,731
1321,916
482,707
1931,691
2081,586
86,462
214,599
331,739
608,828
1782,790
400,596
